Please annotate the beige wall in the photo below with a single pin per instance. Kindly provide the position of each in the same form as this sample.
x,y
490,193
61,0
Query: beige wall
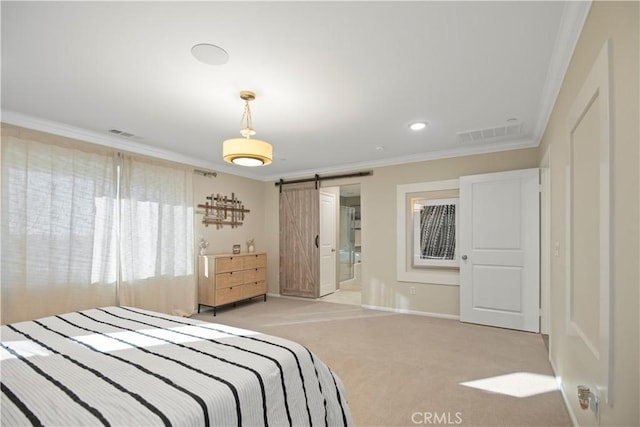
x,y
251,193
380,287
378,207
617,21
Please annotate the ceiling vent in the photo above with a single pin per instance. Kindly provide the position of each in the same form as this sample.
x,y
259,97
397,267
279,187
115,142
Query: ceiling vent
x,y
510,130
124,134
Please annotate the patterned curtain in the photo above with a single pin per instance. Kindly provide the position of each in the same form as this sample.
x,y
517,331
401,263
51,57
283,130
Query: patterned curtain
x,y
437,232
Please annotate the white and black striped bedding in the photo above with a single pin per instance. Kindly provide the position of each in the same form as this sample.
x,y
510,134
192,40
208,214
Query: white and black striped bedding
x,y
126,366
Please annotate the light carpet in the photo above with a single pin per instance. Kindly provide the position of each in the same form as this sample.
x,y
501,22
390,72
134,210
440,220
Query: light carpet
x,y
405,370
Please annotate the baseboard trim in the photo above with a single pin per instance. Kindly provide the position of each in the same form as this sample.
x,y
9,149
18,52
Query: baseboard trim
x,y
379,308
415,312
565,399
291,297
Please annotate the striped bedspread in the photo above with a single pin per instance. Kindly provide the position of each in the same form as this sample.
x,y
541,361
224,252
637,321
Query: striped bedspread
x,y
126,366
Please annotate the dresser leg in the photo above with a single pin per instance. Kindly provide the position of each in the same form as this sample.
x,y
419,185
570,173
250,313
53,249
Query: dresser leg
x,y
198,308
265,297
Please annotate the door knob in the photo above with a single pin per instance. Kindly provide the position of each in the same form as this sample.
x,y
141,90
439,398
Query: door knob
x,y
333,250
464,257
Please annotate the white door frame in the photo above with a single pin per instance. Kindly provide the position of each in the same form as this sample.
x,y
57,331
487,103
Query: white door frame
x,y
545,244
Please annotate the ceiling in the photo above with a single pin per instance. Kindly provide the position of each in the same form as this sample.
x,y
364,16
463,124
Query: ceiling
x,y
336,83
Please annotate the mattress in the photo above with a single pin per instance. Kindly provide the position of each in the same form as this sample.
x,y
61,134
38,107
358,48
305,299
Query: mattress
x,y
127,366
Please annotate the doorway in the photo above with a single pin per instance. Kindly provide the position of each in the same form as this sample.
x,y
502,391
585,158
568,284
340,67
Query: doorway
x,y
349,249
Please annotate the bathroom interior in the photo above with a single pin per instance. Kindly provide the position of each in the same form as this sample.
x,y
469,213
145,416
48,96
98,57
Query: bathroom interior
x,y
349,254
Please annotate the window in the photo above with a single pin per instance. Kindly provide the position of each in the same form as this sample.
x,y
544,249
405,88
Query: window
x,y
58,208
62,215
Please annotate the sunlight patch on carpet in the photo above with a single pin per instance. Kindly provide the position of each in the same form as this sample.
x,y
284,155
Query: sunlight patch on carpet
x,y
518,384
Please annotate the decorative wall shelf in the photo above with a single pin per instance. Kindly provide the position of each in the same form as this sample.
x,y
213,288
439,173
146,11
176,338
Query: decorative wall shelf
x,y
223,210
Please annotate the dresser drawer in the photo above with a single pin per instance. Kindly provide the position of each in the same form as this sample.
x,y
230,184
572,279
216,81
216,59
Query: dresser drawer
x,y
230,263
227,295
233,278
226,278
253,289
255,275
253,261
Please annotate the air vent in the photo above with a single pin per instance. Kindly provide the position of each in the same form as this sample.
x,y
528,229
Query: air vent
x,y
511,129
124,134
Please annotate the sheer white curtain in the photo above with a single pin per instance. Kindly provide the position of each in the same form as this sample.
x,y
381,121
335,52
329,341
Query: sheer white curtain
x,y
58,222
156,235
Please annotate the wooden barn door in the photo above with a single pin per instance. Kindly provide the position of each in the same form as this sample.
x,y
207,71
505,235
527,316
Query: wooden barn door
x,y
299,253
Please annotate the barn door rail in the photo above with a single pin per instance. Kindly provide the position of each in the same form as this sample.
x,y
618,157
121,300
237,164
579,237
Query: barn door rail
x,y
317,178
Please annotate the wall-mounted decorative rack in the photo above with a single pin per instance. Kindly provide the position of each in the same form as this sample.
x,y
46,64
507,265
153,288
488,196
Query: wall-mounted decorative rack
x,y
223,210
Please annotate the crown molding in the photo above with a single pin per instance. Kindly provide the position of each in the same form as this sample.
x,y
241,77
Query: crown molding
x,y
573,18
61,129
414,158
93,137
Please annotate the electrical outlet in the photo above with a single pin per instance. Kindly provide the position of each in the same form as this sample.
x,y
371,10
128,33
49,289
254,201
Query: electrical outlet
x,y
412,290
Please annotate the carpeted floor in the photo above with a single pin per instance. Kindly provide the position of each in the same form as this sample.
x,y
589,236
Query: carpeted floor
x,y
344,296
404,370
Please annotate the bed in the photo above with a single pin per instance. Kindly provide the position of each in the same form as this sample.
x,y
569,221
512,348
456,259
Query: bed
x,y
127,366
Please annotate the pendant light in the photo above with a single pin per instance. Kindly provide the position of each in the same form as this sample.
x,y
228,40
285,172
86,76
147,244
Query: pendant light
x,y
246,151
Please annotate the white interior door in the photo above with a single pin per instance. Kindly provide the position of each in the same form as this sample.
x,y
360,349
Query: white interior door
x,y
328,243
499,247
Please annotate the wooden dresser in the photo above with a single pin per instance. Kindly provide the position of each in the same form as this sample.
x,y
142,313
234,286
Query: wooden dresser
x,y
227,278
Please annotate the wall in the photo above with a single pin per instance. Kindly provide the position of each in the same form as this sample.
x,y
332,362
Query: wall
x,y
250,193
617,21
271,214
378,198
378,207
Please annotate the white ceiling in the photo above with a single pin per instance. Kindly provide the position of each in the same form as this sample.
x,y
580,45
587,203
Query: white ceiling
x,y
334,81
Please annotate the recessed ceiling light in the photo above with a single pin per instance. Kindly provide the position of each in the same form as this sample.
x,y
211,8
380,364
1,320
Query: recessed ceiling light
x,y
380,148
210,54
418,125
